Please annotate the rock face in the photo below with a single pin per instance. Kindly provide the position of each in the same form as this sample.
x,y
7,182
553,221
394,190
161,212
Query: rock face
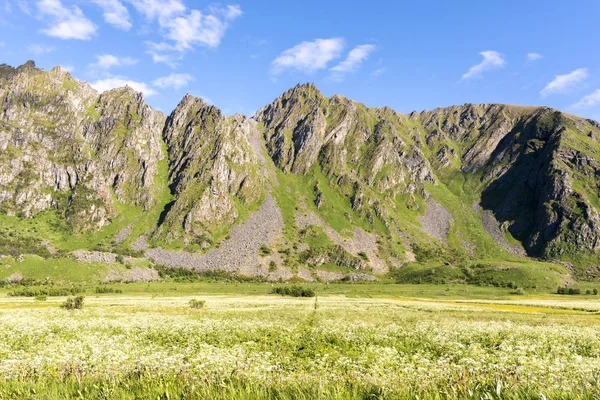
x,y
63,146
213,172
312,187
538,168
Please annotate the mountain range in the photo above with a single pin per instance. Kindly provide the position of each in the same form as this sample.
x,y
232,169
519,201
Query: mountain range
x,y
309,188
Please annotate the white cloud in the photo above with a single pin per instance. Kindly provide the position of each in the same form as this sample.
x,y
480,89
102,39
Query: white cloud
x,y
66,23
591,100
114,82
353,61
182,29
176,81
24,6
115,13
491,60
534,56
309,56
205,99
162,10
39,49
199,29
564,83
68,68
377,73
107,61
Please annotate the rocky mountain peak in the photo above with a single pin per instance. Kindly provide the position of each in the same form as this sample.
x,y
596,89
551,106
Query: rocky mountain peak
x,y
450,182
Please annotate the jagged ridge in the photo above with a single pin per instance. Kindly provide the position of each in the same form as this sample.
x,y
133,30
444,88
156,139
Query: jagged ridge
x,y
359,189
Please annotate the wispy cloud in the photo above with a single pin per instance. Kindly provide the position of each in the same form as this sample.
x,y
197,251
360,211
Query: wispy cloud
x,y
65,23
40,49
534,56
377,73
114,82
67,68
308,57
491,60
565,83
591,100
115,13
24,6
353,61
107,61
185,29
176,81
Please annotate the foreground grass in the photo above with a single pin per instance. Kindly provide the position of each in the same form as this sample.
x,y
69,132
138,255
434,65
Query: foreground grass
x,y
135,346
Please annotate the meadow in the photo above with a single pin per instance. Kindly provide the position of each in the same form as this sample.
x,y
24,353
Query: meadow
x,y
349,342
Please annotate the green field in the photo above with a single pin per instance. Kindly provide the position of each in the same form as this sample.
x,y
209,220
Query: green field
x,y
363,341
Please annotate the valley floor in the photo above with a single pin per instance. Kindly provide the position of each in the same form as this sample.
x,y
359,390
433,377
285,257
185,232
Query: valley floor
x,y
349,342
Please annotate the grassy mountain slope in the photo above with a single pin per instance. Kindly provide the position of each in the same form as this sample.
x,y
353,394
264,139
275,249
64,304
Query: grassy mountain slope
x,y
490,193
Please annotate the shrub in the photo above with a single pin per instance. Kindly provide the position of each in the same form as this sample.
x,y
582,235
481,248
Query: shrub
x,y
73,303
569,291
293,291
518,291
265,250
41,297
363,255
595,291
197,303
45,291
588,292
272,266
107,289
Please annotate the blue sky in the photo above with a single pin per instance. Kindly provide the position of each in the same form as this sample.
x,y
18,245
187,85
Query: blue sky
x,y
409,55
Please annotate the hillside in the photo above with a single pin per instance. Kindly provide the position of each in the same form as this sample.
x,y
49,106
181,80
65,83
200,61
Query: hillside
x,y
101,186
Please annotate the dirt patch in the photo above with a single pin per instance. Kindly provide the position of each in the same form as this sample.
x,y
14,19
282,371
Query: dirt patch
x,y
90,257
132,275
122,234
436,221
328,276
305,274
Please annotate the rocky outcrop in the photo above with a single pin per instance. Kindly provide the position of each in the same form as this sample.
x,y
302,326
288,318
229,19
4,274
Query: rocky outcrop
x,y
377,188
213,172
353,145
63,146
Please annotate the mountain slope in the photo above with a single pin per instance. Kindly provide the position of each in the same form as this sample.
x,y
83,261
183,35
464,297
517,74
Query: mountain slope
x,y
309,188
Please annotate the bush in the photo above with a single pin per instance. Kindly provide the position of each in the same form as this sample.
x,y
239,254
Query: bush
x,y
41,297
272,266
73,303
197,303
595,291
45,291
588,292
518,291
107,289
569,291
265,250
293,291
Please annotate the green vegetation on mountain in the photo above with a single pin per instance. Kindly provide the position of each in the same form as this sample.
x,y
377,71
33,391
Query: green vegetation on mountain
x,y
488,194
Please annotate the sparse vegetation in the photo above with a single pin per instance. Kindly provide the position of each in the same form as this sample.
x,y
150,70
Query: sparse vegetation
x,y
293,291
568,290
107,289
73,303
347,347
197,303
